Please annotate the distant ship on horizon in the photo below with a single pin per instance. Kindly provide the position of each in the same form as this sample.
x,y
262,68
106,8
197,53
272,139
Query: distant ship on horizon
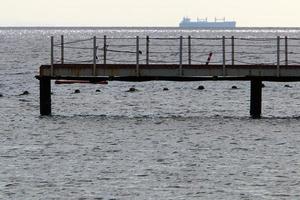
x,y
204,23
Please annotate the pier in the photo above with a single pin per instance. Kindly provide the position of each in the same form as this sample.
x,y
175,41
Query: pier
x,y
172,59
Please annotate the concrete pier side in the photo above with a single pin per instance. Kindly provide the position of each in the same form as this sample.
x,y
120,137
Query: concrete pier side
x,y
45,96
255,99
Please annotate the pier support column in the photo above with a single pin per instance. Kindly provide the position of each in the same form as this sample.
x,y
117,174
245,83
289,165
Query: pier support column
x,y
255,99
45,96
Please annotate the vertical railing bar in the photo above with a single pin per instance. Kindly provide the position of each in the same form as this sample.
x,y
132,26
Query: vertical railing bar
x,y
278,56
137,56
224,56
190,49
62,48
147,50
52,55
286,51
232,50
180,55
104,49
94,55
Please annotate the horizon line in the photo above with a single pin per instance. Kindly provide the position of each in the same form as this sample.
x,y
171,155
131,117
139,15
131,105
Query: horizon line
x,y
144,27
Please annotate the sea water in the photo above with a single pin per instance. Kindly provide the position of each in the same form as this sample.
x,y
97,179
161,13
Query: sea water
x,y
152,144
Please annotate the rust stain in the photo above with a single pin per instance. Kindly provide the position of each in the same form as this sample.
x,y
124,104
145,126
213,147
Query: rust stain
x,y
114,72
76,71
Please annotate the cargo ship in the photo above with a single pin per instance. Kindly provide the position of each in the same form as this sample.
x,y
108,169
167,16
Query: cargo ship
x,y
204,23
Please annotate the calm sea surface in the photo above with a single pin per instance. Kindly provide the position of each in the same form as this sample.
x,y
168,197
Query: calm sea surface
x,y
151,144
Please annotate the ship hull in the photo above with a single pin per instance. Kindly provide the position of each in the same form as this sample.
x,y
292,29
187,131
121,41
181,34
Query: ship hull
x,y
207,25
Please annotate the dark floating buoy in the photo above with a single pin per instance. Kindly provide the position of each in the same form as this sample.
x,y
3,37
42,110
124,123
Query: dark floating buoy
x,y
287,86
1,95
166,89
98,91
234,87
132,89
201,87
77,91
25,93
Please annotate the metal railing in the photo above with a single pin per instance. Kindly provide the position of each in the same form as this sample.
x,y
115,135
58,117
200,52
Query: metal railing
x,y
181,50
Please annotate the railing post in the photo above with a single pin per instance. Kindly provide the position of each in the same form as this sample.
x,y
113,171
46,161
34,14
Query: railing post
x,y
224,56
137,56
286,51
147,50
278,56
52,55
232,50
94,55
190,50
180,55
104,50
62,49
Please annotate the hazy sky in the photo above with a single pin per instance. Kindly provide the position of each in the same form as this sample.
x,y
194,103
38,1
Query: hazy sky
x,y
146,12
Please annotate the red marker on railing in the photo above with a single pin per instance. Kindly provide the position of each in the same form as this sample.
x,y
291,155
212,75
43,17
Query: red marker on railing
x,y
209,57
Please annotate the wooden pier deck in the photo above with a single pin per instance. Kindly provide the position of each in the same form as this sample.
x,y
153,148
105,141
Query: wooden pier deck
x,y
186,68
